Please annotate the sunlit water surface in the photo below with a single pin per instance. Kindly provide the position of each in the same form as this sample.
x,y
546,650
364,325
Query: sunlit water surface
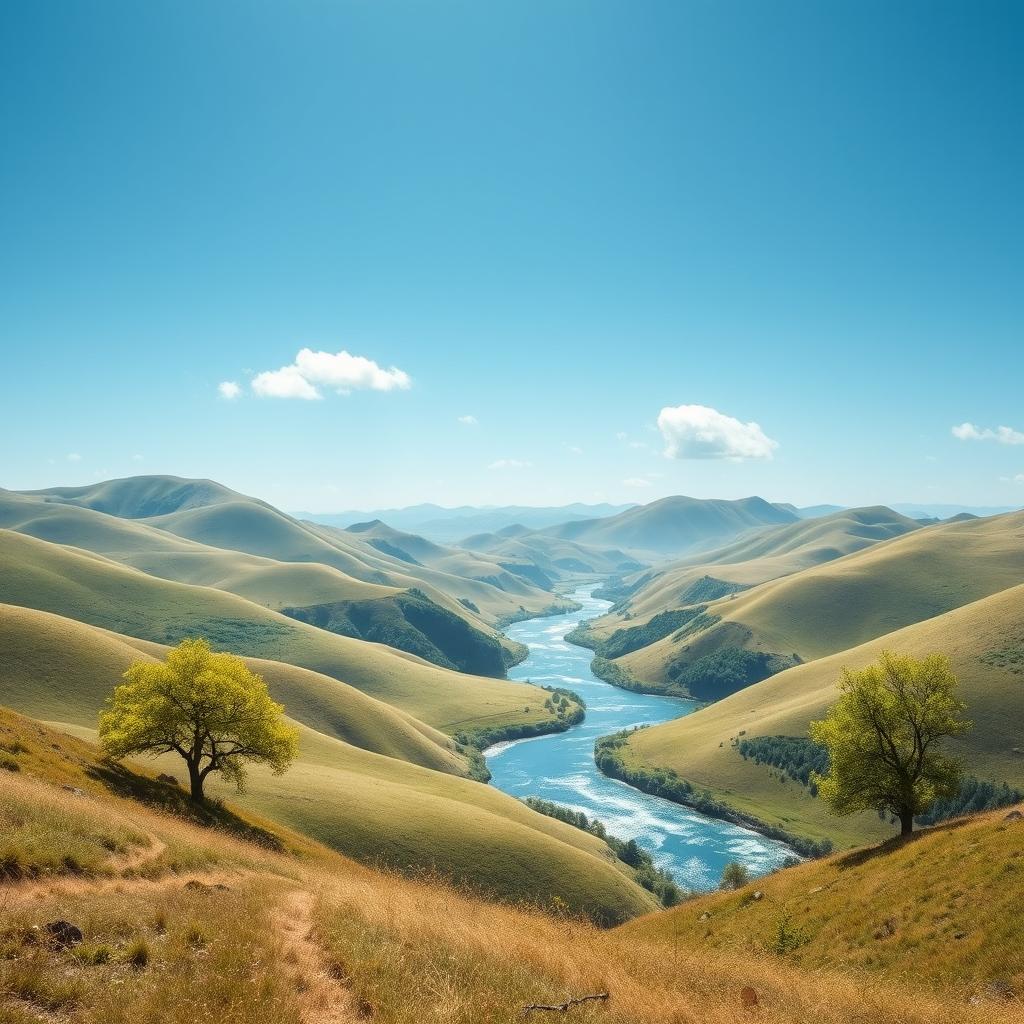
x,y
561,767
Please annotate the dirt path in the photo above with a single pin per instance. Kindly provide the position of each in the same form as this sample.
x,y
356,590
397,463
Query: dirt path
x,y
322,990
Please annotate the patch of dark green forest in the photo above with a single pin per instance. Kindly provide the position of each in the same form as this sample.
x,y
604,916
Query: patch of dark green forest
x,y
413,623
725,671
648,874
797,757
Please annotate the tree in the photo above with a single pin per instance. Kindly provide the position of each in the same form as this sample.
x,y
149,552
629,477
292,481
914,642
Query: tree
x,y
734,876
882,738
207,707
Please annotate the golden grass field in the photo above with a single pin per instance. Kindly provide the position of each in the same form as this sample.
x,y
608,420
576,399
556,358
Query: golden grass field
x,y
183,922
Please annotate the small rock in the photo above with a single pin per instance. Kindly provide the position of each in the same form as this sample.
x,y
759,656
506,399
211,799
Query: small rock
x,y
73,789
748,997
170,780
817,888
62,934
1000,988
704,917
960,935
1014,815
758,894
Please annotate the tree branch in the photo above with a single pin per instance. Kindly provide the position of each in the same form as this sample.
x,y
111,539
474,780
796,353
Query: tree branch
x,y
567,1005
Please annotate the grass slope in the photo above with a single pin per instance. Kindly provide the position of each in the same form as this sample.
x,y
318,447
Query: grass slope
x,y
940,909
985,643
92,589
370,806
755,558
259,937
846,602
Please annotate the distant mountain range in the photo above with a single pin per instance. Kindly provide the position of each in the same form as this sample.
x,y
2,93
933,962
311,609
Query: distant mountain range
x,y
450,524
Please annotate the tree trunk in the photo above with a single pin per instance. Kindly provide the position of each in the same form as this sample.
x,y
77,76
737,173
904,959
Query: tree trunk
x,y
906,823
196,781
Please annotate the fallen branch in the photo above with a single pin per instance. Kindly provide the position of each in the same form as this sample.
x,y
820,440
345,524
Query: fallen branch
x,y
567,1005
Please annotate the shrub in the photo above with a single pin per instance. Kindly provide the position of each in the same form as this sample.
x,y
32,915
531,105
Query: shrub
x,y
734,876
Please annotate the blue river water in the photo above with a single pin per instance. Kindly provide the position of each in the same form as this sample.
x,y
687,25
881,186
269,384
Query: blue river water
x,y
561,767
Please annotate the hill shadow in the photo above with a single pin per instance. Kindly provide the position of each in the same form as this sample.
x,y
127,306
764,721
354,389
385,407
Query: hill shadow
x,y
857,857
172,799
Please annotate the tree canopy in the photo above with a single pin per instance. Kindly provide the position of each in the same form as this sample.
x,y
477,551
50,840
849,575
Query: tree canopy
x,y
882,738
208,707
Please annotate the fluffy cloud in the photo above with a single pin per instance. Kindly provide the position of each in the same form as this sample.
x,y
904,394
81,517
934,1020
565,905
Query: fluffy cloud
x,y
1003,435
699,432
510,464
636,481
468,421
341,371
229,389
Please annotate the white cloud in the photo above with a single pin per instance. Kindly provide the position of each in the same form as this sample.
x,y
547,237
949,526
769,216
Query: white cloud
x,y
137,458
468,421
1003,435
636,481
229,389
699,432
284,383
74,457
341,371
510,464
1018,479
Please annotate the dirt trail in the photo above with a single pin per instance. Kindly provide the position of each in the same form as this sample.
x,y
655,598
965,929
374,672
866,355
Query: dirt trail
x,y
321,986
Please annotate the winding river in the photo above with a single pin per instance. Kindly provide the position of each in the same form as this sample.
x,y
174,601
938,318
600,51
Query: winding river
x,y
561,768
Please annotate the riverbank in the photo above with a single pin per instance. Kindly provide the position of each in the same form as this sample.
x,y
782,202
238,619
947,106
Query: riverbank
x,y
667,784
560,767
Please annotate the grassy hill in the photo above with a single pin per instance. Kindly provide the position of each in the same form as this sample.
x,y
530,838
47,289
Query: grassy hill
x,y
98,591
553,556
985,643
848,601
368,781
219,518
180,919
940,909
764,555
675,525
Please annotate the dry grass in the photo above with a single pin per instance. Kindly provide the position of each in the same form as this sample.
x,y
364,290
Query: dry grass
x,y
318,938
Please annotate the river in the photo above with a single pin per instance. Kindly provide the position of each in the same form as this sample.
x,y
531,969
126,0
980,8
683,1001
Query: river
x,y
560,767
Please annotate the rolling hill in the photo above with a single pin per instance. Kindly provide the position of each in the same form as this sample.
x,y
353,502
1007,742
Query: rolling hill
x,y
176,916
763,555
674,526
844,602
279,584
96,590
985,643
369,781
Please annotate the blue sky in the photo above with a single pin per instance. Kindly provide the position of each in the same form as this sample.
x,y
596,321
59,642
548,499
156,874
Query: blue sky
x,y
557,218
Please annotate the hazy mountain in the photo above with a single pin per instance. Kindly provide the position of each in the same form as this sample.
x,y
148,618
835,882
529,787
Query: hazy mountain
x,y
449,524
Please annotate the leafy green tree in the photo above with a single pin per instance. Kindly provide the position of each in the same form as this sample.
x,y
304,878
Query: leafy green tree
x,y
734,876
882,738
207,707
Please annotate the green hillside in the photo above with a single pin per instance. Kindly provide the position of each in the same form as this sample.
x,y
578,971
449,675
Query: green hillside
x,y
95,590
848,601
763,555
985,643
369,801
